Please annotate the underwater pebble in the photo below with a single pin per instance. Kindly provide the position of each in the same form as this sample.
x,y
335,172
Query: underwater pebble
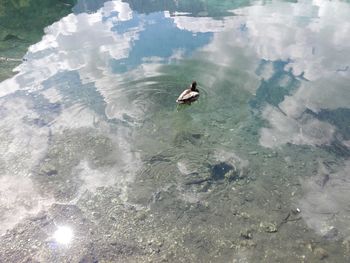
x,y
231,175
309,247
247,234
141,216
247,244
332,233
269,227
296,211
96,214
48,169
346,244
244,215
320,253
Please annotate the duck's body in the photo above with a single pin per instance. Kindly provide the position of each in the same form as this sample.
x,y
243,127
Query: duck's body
x,y
189,95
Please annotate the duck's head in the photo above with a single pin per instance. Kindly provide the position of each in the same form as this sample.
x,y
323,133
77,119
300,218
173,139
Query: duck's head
x,y
194,86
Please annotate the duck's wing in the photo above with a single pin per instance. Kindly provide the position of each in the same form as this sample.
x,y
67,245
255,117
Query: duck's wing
x,y
183,95
190,95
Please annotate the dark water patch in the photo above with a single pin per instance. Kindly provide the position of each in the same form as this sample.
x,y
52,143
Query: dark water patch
x,y
271,90
22,24
27,19
218,171
339,117
196,8
88,6
10,37
336,147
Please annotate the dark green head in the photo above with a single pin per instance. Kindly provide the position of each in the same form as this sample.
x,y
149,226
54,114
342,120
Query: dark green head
x,y
194,86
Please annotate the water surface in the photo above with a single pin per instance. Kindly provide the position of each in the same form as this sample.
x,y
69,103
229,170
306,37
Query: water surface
x,y
98,163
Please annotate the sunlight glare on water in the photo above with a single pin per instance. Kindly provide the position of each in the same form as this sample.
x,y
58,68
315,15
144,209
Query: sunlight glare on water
x,y
63,235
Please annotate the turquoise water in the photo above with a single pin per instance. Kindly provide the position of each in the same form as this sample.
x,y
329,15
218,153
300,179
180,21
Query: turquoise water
x,y
99,164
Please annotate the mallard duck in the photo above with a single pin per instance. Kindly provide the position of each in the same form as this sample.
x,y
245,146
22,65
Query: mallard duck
x,y
189,95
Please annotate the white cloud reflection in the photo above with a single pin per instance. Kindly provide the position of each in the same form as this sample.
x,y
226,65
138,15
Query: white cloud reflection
x,y
312,37
197,24
84,43
87,43
325,205
19,198
283,129
22,147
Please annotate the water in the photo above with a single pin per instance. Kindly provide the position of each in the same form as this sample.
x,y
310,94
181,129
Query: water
x,y
99,164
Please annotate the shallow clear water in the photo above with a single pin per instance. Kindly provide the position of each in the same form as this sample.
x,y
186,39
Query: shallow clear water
x,y
98,162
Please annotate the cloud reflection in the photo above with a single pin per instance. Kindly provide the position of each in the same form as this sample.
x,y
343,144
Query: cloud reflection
x,y
31,119
325,206
23,145
311,37
311,40
93,45
197,24
300,34
53,93
306,130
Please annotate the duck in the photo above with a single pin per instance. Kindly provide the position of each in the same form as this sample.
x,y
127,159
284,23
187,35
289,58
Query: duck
x,y
189,95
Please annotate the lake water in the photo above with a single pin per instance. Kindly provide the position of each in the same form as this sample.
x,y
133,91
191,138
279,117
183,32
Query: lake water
x,y
99,164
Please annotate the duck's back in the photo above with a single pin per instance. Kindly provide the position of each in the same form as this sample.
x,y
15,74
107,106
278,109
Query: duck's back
x,y
188,96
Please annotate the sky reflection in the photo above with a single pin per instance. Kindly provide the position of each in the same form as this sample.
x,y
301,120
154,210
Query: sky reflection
x,y
78,55
325,205
300,38
97,77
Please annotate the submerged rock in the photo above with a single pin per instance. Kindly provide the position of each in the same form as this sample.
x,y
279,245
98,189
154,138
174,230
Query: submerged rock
x,y
197,181
218,171
269,227
247,234
187,138
48,169
320,253
332,233
247,244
